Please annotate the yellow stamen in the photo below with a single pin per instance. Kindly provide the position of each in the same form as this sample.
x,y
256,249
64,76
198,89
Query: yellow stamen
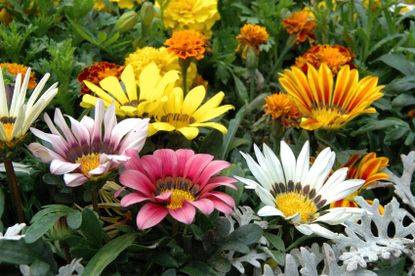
x,y
8,127
330,118
292,203
178,120
88,162
177,198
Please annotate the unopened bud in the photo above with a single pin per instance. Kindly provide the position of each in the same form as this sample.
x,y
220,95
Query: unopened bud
x,y
251,59
126,21
147,13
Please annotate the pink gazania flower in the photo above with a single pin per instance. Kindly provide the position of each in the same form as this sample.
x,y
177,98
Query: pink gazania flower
x,y
89,149
175,183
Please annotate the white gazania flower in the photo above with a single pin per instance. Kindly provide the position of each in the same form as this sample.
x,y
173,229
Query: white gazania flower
x,y
89,148
291,189
12,233
17,114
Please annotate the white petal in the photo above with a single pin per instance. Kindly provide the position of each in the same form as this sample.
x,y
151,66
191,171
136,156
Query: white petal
x,y
339,215
59,167
335,179
258,172
269,211
74,179
303,163
317,229
99,116
110,121
4,110
249,183
43,153
342,190
136,138
13,231
276,164
267,167
80,131
288,161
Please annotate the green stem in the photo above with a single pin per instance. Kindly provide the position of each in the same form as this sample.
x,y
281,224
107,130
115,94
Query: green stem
x,y
252,86
94,198
299,241
14,188
184,77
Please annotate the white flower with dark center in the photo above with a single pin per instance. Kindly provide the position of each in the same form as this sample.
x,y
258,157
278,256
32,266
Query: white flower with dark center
x,y
89,149
290,188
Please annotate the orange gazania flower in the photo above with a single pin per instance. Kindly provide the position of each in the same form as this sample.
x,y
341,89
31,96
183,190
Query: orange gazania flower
x,y
334,56
301,24
187,44
280,107
97,72
328,102
251,36
369,168
15,69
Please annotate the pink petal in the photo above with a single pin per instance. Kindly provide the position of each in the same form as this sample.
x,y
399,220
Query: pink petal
x,y
204,205
132,198
221,206
168,161
59,167
152,167
195,165
135,162
110,120
119,191
217,182
224,197
63,126
186,214
43,153
163,197
99,116
80,131
182,156
137,181
149,215
211,169
74,179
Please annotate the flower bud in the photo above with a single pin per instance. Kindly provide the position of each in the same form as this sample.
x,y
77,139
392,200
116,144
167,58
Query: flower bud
x,y
60,230
251,59
126,21
147,13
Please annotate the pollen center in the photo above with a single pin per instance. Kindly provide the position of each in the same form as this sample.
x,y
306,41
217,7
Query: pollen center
x,y
178,197
292,203
178,120
8,125
88,162
329,117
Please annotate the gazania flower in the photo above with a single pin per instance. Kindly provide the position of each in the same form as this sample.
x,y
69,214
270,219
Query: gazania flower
x,y
334,56
187,44
128,100
369,168
187,115
97,72
17,114
326,105
91,148
198,15
301,24
15,69
251,36
291,189
164,60
280,107
175,183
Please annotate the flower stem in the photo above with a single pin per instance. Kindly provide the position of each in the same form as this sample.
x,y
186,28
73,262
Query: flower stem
x,y
14,188
252,88
94,198
184,65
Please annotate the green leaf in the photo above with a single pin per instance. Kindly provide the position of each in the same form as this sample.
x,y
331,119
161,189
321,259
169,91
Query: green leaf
x,y
91,227
74,219
16,252
169,272
164,259
102,36
403,100
1,203
247,234
379,124
241,89
108,253
400,63
198,268
275,241
232,129
236,246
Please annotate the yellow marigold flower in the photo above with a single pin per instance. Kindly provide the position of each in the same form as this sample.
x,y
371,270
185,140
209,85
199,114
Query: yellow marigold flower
x,y
188,114
280,107
97,72
334,56
328,103
251,36
301,24
122,4
374,4
128,100
198,15
187,44
164,60
5,16
369,168
14,69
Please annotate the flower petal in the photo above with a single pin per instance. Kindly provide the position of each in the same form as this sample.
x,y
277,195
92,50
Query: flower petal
x,y
186,214
149,215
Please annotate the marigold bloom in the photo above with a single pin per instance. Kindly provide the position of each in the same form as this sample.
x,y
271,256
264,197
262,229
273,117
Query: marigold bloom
x,y
301,24
187,115
334,56
369,168
97,72
128,100
175,183
290,188
122,4
198,15
15,69
325,104
280,107
164,60
187,44
17,114
251,36
89,149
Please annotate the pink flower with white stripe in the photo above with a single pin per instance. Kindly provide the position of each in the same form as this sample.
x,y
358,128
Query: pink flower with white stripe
x,y
175,183
90,148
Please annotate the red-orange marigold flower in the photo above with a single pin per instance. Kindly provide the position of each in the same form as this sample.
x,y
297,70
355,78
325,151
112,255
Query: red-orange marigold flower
x,y
15,69
187,44
334,56
280,107
300,23
97,72
251,36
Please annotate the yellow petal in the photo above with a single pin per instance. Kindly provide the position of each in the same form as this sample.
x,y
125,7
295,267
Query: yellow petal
x,y
189,132
210,104
163,126
193,99
99,92
88,101
128,79
213,113
148,80
113,86
310,124
214,125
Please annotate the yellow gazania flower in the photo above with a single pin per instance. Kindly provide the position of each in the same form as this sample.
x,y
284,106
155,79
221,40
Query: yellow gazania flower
x,y
187,115
128,100
164,60
323,106
197,15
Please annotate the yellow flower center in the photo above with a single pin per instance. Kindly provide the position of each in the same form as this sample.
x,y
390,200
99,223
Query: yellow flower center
x,y
178,120
8,125
88,162
291,203
178,197
329,117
